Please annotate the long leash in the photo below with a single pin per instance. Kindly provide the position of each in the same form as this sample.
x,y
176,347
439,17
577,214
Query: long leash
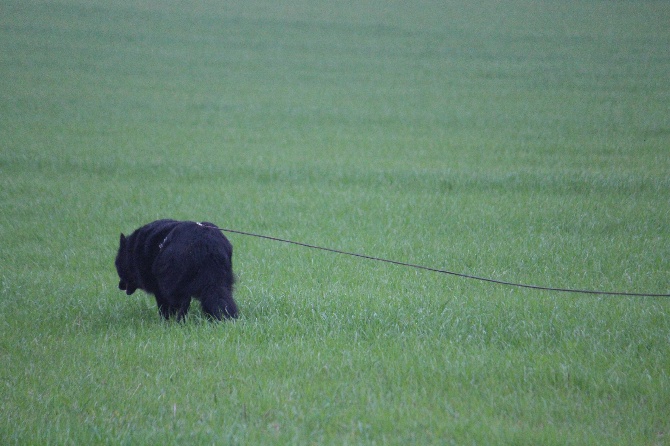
x,y
443,271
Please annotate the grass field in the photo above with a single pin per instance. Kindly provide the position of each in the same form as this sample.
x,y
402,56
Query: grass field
x,y
519,140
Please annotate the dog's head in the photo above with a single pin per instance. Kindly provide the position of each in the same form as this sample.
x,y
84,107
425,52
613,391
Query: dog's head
x,y
127,281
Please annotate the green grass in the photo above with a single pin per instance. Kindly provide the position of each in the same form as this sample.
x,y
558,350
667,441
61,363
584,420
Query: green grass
x,y
519,140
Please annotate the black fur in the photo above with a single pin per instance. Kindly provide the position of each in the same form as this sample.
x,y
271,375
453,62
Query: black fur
x,y
177,260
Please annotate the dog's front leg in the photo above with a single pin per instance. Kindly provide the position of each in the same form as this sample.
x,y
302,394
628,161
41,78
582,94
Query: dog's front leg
x,y
183,309
163,306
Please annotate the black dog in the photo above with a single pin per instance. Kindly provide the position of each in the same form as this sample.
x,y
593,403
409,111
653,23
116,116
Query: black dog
x,y
177,260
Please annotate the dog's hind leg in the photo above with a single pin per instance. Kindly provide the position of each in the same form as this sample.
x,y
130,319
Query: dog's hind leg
x,y
217,302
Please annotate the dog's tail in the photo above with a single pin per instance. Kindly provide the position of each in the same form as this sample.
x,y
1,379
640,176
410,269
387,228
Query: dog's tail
x,y
218,303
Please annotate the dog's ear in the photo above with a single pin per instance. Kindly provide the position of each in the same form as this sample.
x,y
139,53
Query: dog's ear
x,y
123,241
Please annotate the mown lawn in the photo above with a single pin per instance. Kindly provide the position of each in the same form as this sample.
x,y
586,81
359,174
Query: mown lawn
x,y
524,141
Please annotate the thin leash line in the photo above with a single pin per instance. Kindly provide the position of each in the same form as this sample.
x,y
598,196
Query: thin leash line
x,y
443,271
